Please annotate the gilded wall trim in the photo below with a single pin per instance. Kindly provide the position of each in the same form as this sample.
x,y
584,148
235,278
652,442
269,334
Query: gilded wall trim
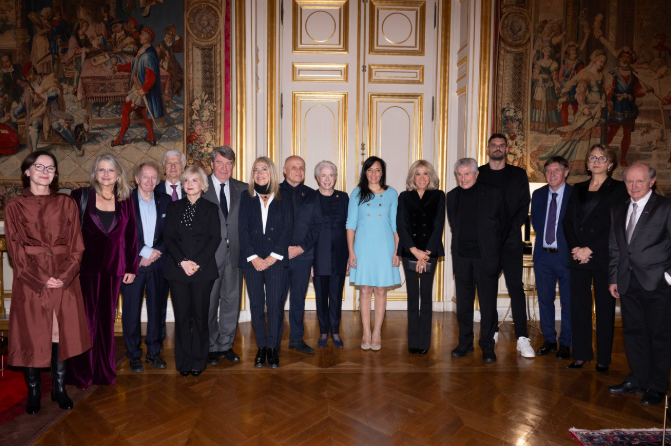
x,y
240,91
271,97
484,81
395,74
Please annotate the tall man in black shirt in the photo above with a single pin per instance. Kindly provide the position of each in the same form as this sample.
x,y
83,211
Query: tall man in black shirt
x,y
477,217
514,186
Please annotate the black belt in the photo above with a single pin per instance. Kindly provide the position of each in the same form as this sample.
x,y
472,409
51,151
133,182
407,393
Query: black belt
x,y
551,250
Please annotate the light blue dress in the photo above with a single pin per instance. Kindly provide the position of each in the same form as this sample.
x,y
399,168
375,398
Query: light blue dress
x,y
375,225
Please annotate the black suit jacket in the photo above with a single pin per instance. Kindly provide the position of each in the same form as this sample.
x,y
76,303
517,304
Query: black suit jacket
x,y
587,223
649,253
307,217
331,246
161,201
197,243
279,229
492,225
420,222
517,197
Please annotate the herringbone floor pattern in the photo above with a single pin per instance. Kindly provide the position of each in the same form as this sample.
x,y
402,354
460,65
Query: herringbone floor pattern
x,y
352,397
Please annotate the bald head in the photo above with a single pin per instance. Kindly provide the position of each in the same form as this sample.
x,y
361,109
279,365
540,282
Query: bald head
x,y
294,170
639,179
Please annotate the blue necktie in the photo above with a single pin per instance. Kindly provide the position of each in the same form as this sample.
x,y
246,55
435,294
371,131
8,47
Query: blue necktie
x,y
552,221
222,201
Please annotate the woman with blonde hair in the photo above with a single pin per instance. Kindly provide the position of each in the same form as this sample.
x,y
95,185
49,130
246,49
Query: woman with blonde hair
x,y
265,229
420,220
110,257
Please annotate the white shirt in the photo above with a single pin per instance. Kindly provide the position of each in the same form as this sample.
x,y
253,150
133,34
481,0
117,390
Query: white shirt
x,y
264,217
227,192
168,188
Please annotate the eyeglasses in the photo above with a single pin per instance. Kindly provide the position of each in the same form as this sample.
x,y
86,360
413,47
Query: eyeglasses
x,y
41,167
601,159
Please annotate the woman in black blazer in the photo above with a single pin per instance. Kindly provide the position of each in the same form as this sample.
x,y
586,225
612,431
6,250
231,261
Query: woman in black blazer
x,y
331,254
587,228
265,229
192,235
420,221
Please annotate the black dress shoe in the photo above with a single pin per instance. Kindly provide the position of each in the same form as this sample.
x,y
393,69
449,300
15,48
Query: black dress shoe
x,y
260,359
302,347
652,398
422,351
412,351
273,358
563,352
230,355
462,350
489,356
155,360
546,348
196,372
625,387
601,368
185,373
136,365
213,358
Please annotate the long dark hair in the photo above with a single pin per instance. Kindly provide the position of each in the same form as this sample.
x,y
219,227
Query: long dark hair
x,y
30,160
364,190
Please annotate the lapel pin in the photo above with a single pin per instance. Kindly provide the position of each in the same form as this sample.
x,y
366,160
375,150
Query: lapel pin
x,y
337,196
303,194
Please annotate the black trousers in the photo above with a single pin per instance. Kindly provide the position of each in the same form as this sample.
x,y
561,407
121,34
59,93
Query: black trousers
x,y
581,315
647,334
420,306
266,290
191,302
512,272
296,285
469,275
328,293
149,281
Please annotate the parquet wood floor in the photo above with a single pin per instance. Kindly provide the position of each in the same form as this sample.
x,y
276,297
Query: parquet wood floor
x,y
352,397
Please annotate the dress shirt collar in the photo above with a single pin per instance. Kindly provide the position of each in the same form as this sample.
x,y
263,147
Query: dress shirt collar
x,y
640,204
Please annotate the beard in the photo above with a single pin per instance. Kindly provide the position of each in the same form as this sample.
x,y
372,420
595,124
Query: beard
x,y
497,156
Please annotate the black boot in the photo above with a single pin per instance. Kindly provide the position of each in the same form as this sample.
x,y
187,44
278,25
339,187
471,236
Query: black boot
x,y
58,370
32,375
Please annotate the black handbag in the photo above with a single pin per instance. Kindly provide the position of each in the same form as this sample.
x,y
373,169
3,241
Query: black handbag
x,y
412,266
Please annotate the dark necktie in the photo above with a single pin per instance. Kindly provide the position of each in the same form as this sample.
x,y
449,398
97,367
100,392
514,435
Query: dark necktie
x,y
222,201
174,192
552,221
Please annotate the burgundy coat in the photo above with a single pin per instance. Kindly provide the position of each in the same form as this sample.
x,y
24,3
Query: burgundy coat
x,y
44,240
114,253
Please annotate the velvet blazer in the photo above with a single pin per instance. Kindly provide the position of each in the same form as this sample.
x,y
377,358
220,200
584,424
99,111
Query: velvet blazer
x,y
113,252
587,222
420,223
279,229
331,252
198,242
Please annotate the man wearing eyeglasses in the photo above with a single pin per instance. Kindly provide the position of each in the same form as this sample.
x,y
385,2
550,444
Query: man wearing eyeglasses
x,y
514,185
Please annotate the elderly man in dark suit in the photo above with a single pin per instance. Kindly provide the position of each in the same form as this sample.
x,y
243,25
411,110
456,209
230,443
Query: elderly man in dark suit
x,y
225,298
307,224
514,185
478,220
548,207
640,275
150,210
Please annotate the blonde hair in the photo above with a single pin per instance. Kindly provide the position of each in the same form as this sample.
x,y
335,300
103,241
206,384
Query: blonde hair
x,y
122,185
195,170
434,181
273,183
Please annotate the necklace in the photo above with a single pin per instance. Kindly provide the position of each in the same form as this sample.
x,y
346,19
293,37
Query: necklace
x,y
105,198
421,194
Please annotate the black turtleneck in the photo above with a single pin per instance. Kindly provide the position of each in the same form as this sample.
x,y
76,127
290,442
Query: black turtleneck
x,y
468,224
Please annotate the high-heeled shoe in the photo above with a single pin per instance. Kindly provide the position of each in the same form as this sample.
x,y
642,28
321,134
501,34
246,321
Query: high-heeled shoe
x,y
576,365
185,373
365,344
601,368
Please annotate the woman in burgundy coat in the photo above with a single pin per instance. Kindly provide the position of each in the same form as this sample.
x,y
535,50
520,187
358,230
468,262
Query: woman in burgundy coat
x,y
47,321
110,257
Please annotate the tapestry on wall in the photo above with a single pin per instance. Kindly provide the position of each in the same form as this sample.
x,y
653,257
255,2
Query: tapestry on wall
x,y
573,73
73,77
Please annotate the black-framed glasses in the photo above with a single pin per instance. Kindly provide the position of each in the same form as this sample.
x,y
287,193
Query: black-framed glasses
x,y
41,167
601,159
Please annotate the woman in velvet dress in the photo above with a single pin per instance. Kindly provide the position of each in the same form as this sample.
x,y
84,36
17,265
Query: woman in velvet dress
x,y
47,321
110,257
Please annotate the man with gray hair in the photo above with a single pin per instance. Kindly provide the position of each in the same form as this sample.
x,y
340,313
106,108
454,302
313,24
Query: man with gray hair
x,y
477,216
173,166
225,298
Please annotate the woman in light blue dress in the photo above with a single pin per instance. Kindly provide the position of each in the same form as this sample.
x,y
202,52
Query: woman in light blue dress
x,y
372,241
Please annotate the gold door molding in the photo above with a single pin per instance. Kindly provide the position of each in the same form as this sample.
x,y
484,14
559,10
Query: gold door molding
x,y
320,26
395,74
383,108
319,72
397,27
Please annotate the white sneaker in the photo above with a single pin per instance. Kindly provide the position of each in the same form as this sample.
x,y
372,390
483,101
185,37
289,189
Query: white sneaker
x,y
524,347
496,337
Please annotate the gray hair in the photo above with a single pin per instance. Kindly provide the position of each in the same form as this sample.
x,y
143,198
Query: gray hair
x,y
463,162
195,170
224,151
320,165
174,153
651,170
149,163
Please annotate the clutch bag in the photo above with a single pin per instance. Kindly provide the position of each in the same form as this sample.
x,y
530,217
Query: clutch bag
x,y
412,266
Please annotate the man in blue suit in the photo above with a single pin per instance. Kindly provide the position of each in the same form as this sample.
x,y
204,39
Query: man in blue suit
x,y
307,224
150,208
548,206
